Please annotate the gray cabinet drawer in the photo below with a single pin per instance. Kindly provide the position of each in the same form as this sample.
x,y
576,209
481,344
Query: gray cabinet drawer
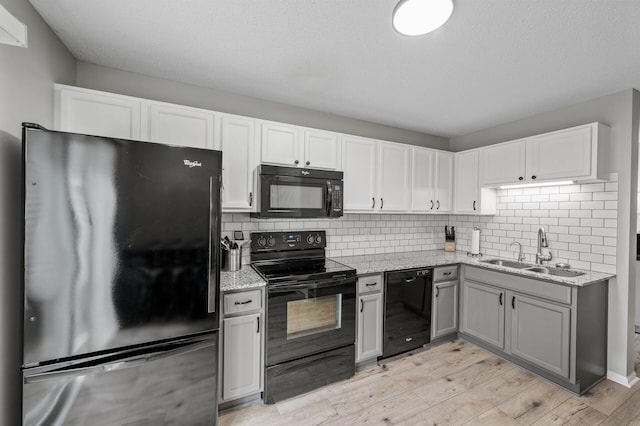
x,y
244,301
369,283
446,273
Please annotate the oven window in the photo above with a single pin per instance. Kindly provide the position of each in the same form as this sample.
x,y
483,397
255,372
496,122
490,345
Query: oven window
x,y
296,197
312,316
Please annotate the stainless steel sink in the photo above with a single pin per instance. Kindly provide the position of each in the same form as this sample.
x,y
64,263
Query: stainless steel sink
x,y
533,268
507,263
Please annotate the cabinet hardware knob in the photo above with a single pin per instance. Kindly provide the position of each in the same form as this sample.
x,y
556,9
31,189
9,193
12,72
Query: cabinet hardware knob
x,y
361,305
474,205
250,199
373,200
500,299
437,291
431,204
533,177
408,339
446,273
307,163
296,162
438,205
513,302
258,329
520,178
381,202
243,303
370,284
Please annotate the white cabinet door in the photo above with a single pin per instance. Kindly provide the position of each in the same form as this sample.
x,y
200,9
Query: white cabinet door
x,y
444,182
467,185
280,144
559,155
504,163
422,180
359,165
238,145
393,177
242,362
97,113
369,341
321,150
176,125
445,309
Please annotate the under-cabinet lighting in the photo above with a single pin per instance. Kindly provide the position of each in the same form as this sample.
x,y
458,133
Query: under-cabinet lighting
x,y
419,17
12,31
532,185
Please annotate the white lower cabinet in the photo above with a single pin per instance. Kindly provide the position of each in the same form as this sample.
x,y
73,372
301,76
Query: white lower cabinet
x,y
242,344
370,317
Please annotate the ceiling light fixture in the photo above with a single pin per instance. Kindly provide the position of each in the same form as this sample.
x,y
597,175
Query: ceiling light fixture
x,y
532,185
418,17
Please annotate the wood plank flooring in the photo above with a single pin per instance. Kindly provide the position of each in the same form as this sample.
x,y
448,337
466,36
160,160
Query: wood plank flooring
x,y
455,383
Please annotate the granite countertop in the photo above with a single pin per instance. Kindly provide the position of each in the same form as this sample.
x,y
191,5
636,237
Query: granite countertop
x,y
244,279
367,264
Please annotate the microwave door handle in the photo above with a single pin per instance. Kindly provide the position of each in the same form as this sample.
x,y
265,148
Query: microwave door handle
x,y
329,198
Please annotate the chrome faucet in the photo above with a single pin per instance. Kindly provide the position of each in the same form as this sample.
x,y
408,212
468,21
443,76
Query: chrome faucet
x,y
542,242
521,257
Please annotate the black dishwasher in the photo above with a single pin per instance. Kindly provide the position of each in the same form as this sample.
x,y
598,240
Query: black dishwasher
x,y
407,310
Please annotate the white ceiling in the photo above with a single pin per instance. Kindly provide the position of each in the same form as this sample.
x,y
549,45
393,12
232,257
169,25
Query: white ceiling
x,y
495,61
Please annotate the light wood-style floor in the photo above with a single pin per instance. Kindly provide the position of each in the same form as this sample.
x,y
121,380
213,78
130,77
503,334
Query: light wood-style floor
x,y
454,383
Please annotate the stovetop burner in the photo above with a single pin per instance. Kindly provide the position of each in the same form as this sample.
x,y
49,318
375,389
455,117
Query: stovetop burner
x,y
298,255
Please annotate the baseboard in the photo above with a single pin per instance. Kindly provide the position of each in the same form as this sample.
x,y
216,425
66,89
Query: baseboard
x,y
628,382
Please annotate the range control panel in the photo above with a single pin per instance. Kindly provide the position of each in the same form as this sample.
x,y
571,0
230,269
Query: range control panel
x,y
296,240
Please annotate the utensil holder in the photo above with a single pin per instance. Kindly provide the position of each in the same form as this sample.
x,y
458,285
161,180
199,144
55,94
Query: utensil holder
x,y
231,259
449,246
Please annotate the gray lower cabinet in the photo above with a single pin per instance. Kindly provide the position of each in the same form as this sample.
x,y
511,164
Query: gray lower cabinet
x,y
370,317
557,331
242,344
483,314
540,333
444,313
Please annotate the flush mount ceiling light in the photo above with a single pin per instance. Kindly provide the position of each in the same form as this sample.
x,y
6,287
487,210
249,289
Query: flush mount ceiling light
x,y
418,17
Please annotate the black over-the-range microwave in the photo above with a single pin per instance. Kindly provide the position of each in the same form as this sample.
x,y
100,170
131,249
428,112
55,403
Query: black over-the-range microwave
x,y
293,192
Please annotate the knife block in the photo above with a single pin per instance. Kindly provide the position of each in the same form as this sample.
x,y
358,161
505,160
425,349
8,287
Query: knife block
x,y
449,246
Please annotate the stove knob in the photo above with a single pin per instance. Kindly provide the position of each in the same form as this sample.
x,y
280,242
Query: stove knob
x,y
271,241
310,239
262,241
318,239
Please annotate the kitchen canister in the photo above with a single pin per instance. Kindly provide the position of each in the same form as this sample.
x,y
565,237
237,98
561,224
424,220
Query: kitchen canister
x,y
231,259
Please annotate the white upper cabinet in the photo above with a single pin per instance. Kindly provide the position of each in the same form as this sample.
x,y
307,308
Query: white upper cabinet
x,y
393,177
470,198
359,164
321,149
443,185
298,147
178,125
238,145
280,144
579,153
422,180
97,113
504,163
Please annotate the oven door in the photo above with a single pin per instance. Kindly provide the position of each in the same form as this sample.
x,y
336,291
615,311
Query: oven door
x,y
292,197
309,317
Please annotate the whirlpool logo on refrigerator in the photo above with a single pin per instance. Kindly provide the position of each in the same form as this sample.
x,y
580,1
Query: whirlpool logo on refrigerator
x,y
192,164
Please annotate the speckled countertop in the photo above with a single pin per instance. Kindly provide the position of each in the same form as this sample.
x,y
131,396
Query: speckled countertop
x,y
367,264
244,279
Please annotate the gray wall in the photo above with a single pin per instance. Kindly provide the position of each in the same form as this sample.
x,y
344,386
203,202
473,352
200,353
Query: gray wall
x,y
620,111
127,83
26,85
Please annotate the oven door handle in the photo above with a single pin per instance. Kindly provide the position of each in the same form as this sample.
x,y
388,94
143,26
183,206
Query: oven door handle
x,y
310,285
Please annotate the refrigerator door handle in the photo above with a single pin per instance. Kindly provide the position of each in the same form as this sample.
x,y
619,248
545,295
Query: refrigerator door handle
x,y
211,293
120,364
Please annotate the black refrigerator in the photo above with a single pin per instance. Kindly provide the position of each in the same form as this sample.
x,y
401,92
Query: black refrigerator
x,y
121,281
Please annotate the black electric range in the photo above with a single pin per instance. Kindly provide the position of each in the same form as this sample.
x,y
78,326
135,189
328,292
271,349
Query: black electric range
x,y
311,313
